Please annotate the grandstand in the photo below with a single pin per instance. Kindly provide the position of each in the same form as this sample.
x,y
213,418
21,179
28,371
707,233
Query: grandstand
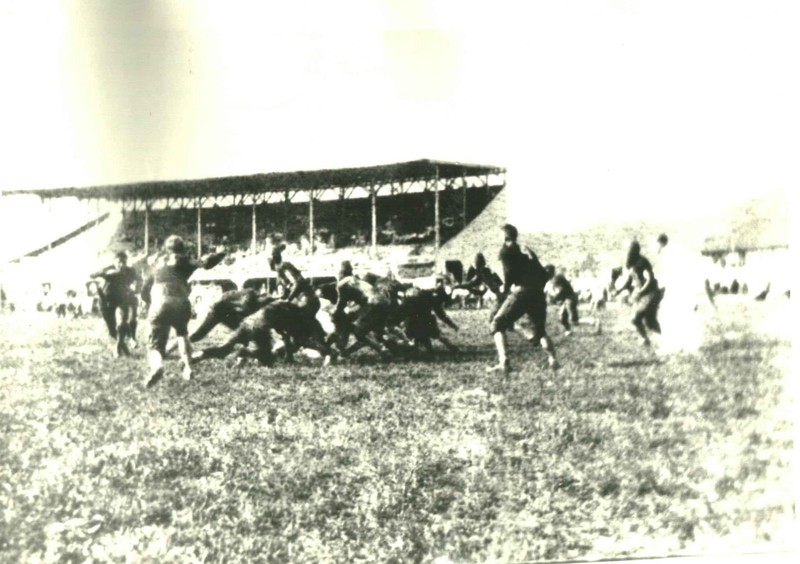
x,y
375,216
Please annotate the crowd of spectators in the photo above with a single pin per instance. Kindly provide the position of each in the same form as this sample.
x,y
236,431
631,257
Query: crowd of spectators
x,y
403,219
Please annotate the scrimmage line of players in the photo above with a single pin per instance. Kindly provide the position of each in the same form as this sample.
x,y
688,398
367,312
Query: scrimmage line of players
x,y
380,313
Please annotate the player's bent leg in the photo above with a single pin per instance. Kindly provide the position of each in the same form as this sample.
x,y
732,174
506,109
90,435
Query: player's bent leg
x,y
316,340
366,340
447,343
503,366
133,320
289,346
638,323
317,343
263,345
368,329
159,334
211,320
651,314
241,337
123,330
507,314
537,314
107,311
564,318
652,323
156,365
573,311
185,353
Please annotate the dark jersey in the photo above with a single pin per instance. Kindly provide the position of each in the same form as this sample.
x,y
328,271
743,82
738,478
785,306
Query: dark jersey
x,y
639,267
390,290
293,280
561,289
230,309
233,306
119,282
522,268
173,279
423,302
477,277
358,291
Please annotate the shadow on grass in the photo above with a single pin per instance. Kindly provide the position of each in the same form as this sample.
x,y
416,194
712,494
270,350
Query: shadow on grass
x,y
438,356
638,363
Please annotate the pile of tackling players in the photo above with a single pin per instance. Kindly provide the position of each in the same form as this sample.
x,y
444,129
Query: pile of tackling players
x,y
371,311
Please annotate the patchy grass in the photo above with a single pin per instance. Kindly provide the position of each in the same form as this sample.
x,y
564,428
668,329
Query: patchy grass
x,y
621,453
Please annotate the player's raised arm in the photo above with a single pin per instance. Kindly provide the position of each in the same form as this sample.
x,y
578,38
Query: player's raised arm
x,y
492,281
210,261
105,273
438,309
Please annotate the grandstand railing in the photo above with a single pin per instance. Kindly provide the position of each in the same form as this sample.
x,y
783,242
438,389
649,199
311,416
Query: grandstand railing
x,y
64,238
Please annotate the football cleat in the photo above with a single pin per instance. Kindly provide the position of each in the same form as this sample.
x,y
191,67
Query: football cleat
x,y
155,377
503,367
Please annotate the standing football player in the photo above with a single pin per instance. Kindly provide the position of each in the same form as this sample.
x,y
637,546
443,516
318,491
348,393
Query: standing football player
x,y
166,293
523,295
118,303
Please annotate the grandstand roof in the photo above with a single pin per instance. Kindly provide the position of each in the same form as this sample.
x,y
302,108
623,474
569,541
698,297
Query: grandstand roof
x,y
424,169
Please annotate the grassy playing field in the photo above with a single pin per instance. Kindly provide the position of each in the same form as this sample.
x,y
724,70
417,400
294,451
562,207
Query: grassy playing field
x,y
619,453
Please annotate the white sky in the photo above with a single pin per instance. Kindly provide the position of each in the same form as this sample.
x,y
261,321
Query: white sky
x,y
598,108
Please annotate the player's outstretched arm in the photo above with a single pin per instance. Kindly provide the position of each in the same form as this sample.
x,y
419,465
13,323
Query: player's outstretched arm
x,y
210,261
442,315
105,273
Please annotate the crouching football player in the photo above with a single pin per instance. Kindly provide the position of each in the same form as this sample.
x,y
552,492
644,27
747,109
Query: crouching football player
x,y
560,291
418,313
287,319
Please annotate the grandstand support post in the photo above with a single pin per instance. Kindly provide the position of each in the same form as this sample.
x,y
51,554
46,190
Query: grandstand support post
x,y
147,229
340,218
311,221
437,228
374,208
199,229
464,204
49,206
255,231
285,216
